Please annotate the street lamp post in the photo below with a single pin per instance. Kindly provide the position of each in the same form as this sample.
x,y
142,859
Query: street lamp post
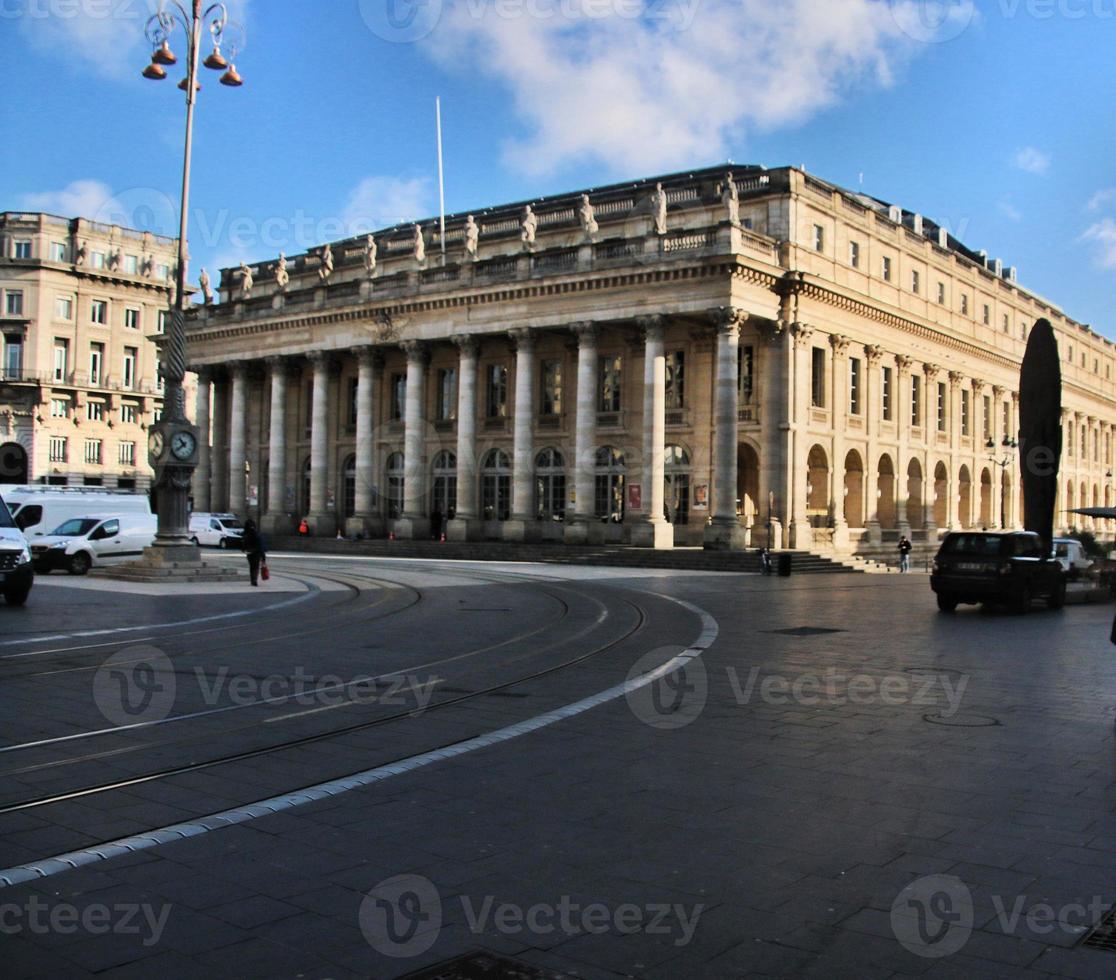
x,y
1009,446
173,441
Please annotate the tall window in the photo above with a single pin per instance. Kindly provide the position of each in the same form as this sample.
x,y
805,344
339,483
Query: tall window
x,y
1007,420
1007,323
987,317
132,319
550,486
819,238
58,450
128,413
854,254
885,393
986,414
496,392
13,303
21,248
162,271
398,395
61,359
127,453
348,484
551,391
97,260
608,484
443,490
916,401
941,294
854,385
93,451
60,408
746,372
676,379
58,252
131,264
351,404
98,311
916,281
496,486
964,305
394,481
966,426
677,484
131,355
817,377
446,400
96,363
886,268
608,383
63,308
13,356
95,411
941,406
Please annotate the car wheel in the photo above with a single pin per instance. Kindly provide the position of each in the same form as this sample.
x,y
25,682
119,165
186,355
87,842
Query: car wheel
x,y
224,543
197,544
17,597
80,563
1057,599
947,603
1022,603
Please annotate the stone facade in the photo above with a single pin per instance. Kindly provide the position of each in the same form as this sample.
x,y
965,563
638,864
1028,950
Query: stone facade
x,y
79,386
773,359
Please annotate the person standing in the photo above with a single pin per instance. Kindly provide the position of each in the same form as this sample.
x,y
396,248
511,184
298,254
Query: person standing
x,y
904,554
254,550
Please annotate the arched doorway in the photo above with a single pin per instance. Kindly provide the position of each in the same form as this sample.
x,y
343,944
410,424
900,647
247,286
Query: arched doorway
x,y
443,485
885,492
985,498
14,467
676,495
394,471
916,514
550,486
496,486
964,498
608,485
854,489
941,495
747,481
817,487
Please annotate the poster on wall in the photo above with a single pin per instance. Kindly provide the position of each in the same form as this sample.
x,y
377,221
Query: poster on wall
x,y
635,496
701,496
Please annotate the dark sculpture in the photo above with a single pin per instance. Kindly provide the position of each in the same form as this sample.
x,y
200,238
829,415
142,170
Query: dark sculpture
x,y
1040,430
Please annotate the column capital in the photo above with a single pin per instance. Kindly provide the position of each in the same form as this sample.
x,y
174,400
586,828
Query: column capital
x,y
903,363
873,354
466,344
931,371
956,377
521,338
416,350
840,344
652,326
584,330
801,332
368,355
319,358
277,364
997,392
239,369
728,319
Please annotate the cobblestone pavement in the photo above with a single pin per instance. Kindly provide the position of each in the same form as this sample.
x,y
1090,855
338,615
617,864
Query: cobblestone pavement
x,y
846,783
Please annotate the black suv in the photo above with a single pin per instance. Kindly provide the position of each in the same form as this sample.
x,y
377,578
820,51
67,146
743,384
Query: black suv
x,y
1007,567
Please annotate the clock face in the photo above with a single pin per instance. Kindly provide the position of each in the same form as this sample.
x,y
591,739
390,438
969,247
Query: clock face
x,y
183,445
155,444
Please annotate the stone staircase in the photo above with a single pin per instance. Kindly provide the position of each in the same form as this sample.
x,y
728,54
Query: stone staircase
x,y
622,556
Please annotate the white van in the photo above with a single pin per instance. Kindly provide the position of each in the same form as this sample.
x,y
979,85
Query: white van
x,y
1071,554
221,530
16,572
38,510
85,542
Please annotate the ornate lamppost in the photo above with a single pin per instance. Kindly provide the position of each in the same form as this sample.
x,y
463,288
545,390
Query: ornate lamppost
x,y
1009,446
173,441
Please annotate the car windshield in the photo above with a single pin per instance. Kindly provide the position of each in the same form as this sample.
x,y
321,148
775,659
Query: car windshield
x,y
231,523
75,526
5,515
1061,550
973,544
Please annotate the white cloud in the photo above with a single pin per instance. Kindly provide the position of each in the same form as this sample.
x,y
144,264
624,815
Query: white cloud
x,y
1102,199
1010,211
1031,161
79,199
1103,234
377,202
671,86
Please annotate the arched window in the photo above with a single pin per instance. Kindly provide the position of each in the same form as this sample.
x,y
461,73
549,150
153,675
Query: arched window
x,y
676,464
496,486
394,471
609,485
443,491
550,486
348,500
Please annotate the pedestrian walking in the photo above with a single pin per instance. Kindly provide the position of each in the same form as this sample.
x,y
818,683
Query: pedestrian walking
x,y
904,554
435,524
254,550
765,561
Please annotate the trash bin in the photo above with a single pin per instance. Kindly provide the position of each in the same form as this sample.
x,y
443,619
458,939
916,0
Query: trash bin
x,y
784,564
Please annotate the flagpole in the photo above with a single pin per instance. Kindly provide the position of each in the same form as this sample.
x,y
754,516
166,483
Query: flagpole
x,y
441,177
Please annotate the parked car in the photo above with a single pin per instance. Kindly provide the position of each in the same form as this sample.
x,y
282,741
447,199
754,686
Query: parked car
x,y
17,574
222,530
1071,554
86,542
1008,567
38,510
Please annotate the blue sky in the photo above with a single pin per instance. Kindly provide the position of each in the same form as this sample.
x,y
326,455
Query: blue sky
x,y
995,119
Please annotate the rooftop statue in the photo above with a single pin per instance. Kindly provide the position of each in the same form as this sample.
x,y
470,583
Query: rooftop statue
x,y
325,270
472,237
659,209
588,217
420,245
282,277
730,197
528,226
246,281
203,282
370,255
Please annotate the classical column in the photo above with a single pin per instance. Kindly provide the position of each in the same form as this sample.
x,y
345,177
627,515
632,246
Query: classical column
x,y
873,411
995,454
414,523
365,521
238,438
581,520
321,520
277,518
201,419
725,531
839,415
522,522
219,454
466,524
800,533
652,530
904,417
953,478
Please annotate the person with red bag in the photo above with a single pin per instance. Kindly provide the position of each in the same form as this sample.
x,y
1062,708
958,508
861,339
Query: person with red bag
x,y
253,545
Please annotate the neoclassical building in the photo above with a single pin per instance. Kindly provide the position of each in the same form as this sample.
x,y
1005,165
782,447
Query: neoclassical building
x,y
709,357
